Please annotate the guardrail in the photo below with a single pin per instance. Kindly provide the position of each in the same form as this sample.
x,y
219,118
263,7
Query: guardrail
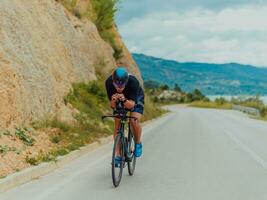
x,y
245,109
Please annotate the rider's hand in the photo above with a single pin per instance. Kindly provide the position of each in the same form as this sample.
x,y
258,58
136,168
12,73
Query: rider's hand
x,y
114,97
121,97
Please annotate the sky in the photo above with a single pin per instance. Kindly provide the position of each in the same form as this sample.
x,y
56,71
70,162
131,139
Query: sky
x,y
212,31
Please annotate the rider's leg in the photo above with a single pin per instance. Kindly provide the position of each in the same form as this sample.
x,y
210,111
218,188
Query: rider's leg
x,y
116,128
136,126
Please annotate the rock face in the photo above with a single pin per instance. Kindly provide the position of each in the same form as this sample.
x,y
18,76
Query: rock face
x,y
43,50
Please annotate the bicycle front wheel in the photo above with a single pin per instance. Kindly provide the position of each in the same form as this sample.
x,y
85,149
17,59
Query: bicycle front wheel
x,y
117,167
132,158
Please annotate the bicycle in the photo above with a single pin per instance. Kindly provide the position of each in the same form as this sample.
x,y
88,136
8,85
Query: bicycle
x,y
125,145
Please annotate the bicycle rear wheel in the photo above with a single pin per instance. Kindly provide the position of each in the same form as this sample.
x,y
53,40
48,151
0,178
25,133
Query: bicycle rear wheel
x,y
117,170
132,158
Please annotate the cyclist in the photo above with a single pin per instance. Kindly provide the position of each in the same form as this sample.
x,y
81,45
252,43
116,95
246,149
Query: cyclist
x,y
126,88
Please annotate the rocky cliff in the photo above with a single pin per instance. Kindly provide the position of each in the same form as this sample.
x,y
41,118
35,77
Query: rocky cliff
x,y
43,50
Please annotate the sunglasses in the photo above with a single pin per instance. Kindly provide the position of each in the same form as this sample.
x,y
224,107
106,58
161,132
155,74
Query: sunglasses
x,y
119,84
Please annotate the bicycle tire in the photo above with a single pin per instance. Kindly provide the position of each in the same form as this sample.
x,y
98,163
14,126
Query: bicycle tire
x,y
117,172
132,161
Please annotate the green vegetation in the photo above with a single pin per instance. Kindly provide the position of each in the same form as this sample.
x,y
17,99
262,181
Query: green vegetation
x,y
163,94
177,88
90,99
152,109
196,95
40,157
102,13
46,157
5,149
253,102
21,133
211,104
222,103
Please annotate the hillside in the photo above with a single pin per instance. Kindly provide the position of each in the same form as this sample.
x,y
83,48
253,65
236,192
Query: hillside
x,y
44,48
211,79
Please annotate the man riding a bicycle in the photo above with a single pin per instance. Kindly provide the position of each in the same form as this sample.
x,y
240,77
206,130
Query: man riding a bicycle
x,y
121,86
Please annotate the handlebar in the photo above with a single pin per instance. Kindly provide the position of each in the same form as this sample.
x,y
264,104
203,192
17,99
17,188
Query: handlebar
x,y
122,114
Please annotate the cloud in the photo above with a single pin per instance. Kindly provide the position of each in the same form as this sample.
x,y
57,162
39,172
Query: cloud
x,y
138,8
226,35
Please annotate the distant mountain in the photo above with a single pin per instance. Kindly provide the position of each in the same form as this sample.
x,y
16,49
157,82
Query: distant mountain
x,y
211,79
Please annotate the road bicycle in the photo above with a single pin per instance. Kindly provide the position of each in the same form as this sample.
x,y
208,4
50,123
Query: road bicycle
x,y
124,145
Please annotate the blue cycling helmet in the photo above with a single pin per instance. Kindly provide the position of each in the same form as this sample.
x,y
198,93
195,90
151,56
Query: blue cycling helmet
x,y
120,77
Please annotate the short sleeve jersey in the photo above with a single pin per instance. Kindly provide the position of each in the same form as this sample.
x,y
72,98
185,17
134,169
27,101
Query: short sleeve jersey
x,y
131,90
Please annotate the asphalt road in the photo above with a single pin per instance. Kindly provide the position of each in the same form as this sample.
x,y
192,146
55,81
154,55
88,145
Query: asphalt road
x,y
191,154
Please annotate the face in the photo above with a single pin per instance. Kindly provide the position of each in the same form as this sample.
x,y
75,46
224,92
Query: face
x,y
119,88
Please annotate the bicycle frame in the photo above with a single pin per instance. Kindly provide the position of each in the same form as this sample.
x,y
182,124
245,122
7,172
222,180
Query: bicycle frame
x,y
123,120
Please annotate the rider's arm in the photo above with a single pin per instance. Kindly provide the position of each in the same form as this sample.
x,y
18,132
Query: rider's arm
x,y
129,104
113,101
112,97
132,95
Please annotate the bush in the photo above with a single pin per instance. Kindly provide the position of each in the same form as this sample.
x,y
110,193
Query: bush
x,y
197,95
55,139
77,13
39,157
109,36
253,102
152,109
177,88
104,14
21,133
221,100
164,87
189,97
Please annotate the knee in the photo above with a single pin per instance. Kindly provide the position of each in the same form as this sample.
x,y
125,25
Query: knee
x,y
134,122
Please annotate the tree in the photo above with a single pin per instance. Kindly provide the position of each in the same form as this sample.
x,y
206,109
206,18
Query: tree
x,y
189,97
177,88
197,95
164,87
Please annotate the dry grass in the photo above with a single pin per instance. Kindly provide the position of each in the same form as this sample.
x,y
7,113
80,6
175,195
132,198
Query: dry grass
x,y
211,104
